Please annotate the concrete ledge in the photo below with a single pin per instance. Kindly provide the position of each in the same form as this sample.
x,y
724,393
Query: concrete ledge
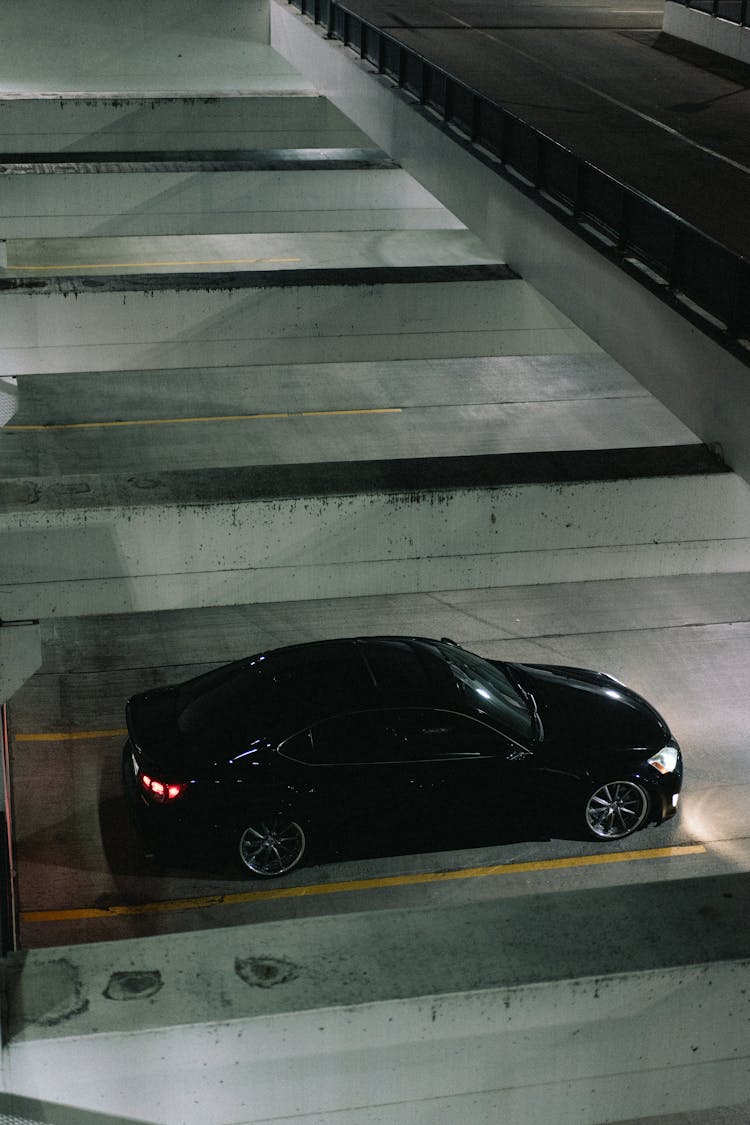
x,y
124,323
350,478
133,204
251,160
110,557
129,125
20,655
255,279
460,1013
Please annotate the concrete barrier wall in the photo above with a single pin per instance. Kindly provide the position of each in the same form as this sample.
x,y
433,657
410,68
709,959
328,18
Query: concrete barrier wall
x,y
118,126
271,1024
20,655
722,36
704,385
114,559
134,203
102,25
85,46
104,327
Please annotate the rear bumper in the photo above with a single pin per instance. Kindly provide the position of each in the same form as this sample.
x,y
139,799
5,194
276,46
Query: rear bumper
x,y
162,824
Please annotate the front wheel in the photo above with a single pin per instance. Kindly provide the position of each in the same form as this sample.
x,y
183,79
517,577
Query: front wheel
x,y
616,809
272,845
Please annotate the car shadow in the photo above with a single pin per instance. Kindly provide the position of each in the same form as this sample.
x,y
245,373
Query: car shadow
x,y
381,837
389,837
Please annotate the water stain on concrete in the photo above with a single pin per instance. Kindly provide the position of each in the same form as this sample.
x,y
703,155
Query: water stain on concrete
x,y
133,985
56,995
265,972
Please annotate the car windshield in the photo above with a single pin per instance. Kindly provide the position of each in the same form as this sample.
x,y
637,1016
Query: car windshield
x,y
488,691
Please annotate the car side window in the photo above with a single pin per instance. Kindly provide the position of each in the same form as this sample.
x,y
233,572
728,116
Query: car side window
x,y
396,735
359,738
441,735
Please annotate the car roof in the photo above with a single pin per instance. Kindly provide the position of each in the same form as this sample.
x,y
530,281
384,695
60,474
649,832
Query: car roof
x,y
391,667
291,687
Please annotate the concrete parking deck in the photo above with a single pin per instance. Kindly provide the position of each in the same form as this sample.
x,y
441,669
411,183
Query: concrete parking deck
x,y
403,431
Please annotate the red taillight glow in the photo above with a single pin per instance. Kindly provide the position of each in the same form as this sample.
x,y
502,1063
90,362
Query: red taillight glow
x,y
161,791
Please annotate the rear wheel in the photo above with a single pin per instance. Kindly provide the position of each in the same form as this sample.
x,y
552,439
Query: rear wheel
x,y
272,845
616,809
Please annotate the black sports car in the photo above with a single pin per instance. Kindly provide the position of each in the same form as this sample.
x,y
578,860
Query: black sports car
x,y
266,750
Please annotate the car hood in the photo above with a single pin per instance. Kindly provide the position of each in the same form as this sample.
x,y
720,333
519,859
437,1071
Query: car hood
x,y
590,710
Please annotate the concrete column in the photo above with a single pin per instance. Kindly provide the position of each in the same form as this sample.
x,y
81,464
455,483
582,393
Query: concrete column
x,y
20,655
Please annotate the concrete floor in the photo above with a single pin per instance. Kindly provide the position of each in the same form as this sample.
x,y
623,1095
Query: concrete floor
x,y
207,253
106,422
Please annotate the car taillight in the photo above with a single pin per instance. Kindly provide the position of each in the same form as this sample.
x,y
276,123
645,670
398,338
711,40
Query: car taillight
x,y
161,791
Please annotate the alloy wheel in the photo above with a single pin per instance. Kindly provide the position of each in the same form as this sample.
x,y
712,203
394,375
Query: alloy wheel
x,y
616,809
272,846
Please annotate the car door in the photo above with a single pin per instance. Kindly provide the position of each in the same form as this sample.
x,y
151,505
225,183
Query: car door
x,y
460,764
399,758
356,765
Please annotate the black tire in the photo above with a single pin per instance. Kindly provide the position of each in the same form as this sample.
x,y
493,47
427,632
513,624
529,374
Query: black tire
x,y
615,809
270,846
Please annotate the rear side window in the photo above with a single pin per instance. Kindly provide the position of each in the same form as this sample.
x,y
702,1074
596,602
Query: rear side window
x,y
287,690
363,738
308,689
228,695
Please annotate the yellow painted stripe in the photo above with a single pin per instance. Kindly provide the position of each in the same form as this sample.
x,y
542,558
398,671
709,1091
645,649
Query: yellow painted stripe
x,y
359,885
152,265
205,418
68,735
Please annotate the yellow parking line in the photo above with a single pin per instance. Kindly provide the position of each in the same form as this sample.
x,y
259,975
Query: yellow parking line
x,y
204,418
68,735
153,265
359,885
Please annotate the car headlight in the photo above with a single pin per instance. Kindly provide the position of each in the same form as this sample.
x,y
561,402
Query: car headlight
x,y
666,760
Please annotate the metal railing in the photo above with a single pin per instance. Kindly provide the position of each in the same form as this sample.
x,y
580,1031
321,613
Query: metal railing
x,y
704,280
735,11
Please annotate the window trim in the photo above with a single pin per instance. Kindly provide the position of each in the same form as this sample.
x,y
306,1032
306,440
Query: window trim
x,y
513,746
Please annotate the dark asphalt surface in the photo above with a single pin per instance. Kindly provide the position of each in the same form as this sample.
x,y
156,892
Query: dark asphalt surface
x,y
668,118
